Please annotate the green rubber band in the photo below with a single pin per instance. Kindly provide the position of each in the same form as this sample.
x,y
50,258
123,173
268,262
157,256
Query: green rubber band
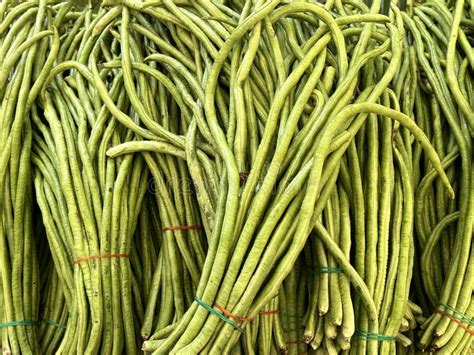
x,y
53,323
18,323
464,318
374,336
326,270
329,270
217,313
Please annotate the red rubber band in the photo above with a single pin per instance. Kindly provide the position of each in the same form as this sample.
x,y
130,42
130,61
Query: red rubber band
x,y
458,322
271,311
105,256
232,315
180,228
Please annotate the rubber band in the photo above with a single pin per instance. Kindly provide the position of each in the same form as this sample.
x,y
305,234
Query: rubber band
x,y
232,315
457,321
19,323
53,323
217,313
269,312
374,336
464,318
331,270
327,270
180,228
105,256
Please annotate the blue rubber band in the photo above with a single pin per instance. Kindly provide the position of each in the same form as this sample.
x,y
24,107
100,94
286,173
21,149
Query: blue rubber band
x,y
217,313
464,318
374,336
18,323
53,323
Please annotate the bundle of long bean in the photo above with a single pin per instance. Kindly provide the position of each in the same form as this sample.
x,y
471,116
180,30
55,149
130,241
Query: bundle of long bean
x,y
100,200
228,295
448,283
25,59
252,176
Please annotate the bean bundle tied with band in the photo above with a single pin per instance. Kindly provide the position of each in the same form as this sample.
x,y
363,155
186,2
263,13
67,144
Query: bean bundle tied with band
x,y
236,176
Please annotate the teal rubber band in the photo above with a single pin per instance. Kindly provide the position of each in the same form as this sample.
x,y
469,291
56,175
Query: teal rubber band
x,y
464,318
374,336
53,323
217,313
329,270
18,323
326,270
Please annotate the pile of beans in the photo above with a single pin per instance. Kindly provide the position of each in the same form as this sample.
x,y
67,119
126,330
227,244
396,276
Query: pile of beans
x,y
236,176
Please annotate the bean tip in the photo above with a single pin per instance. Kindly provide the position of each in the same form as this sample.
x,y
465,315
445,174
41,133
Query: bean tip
x,y
112,152
95,32
452,194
